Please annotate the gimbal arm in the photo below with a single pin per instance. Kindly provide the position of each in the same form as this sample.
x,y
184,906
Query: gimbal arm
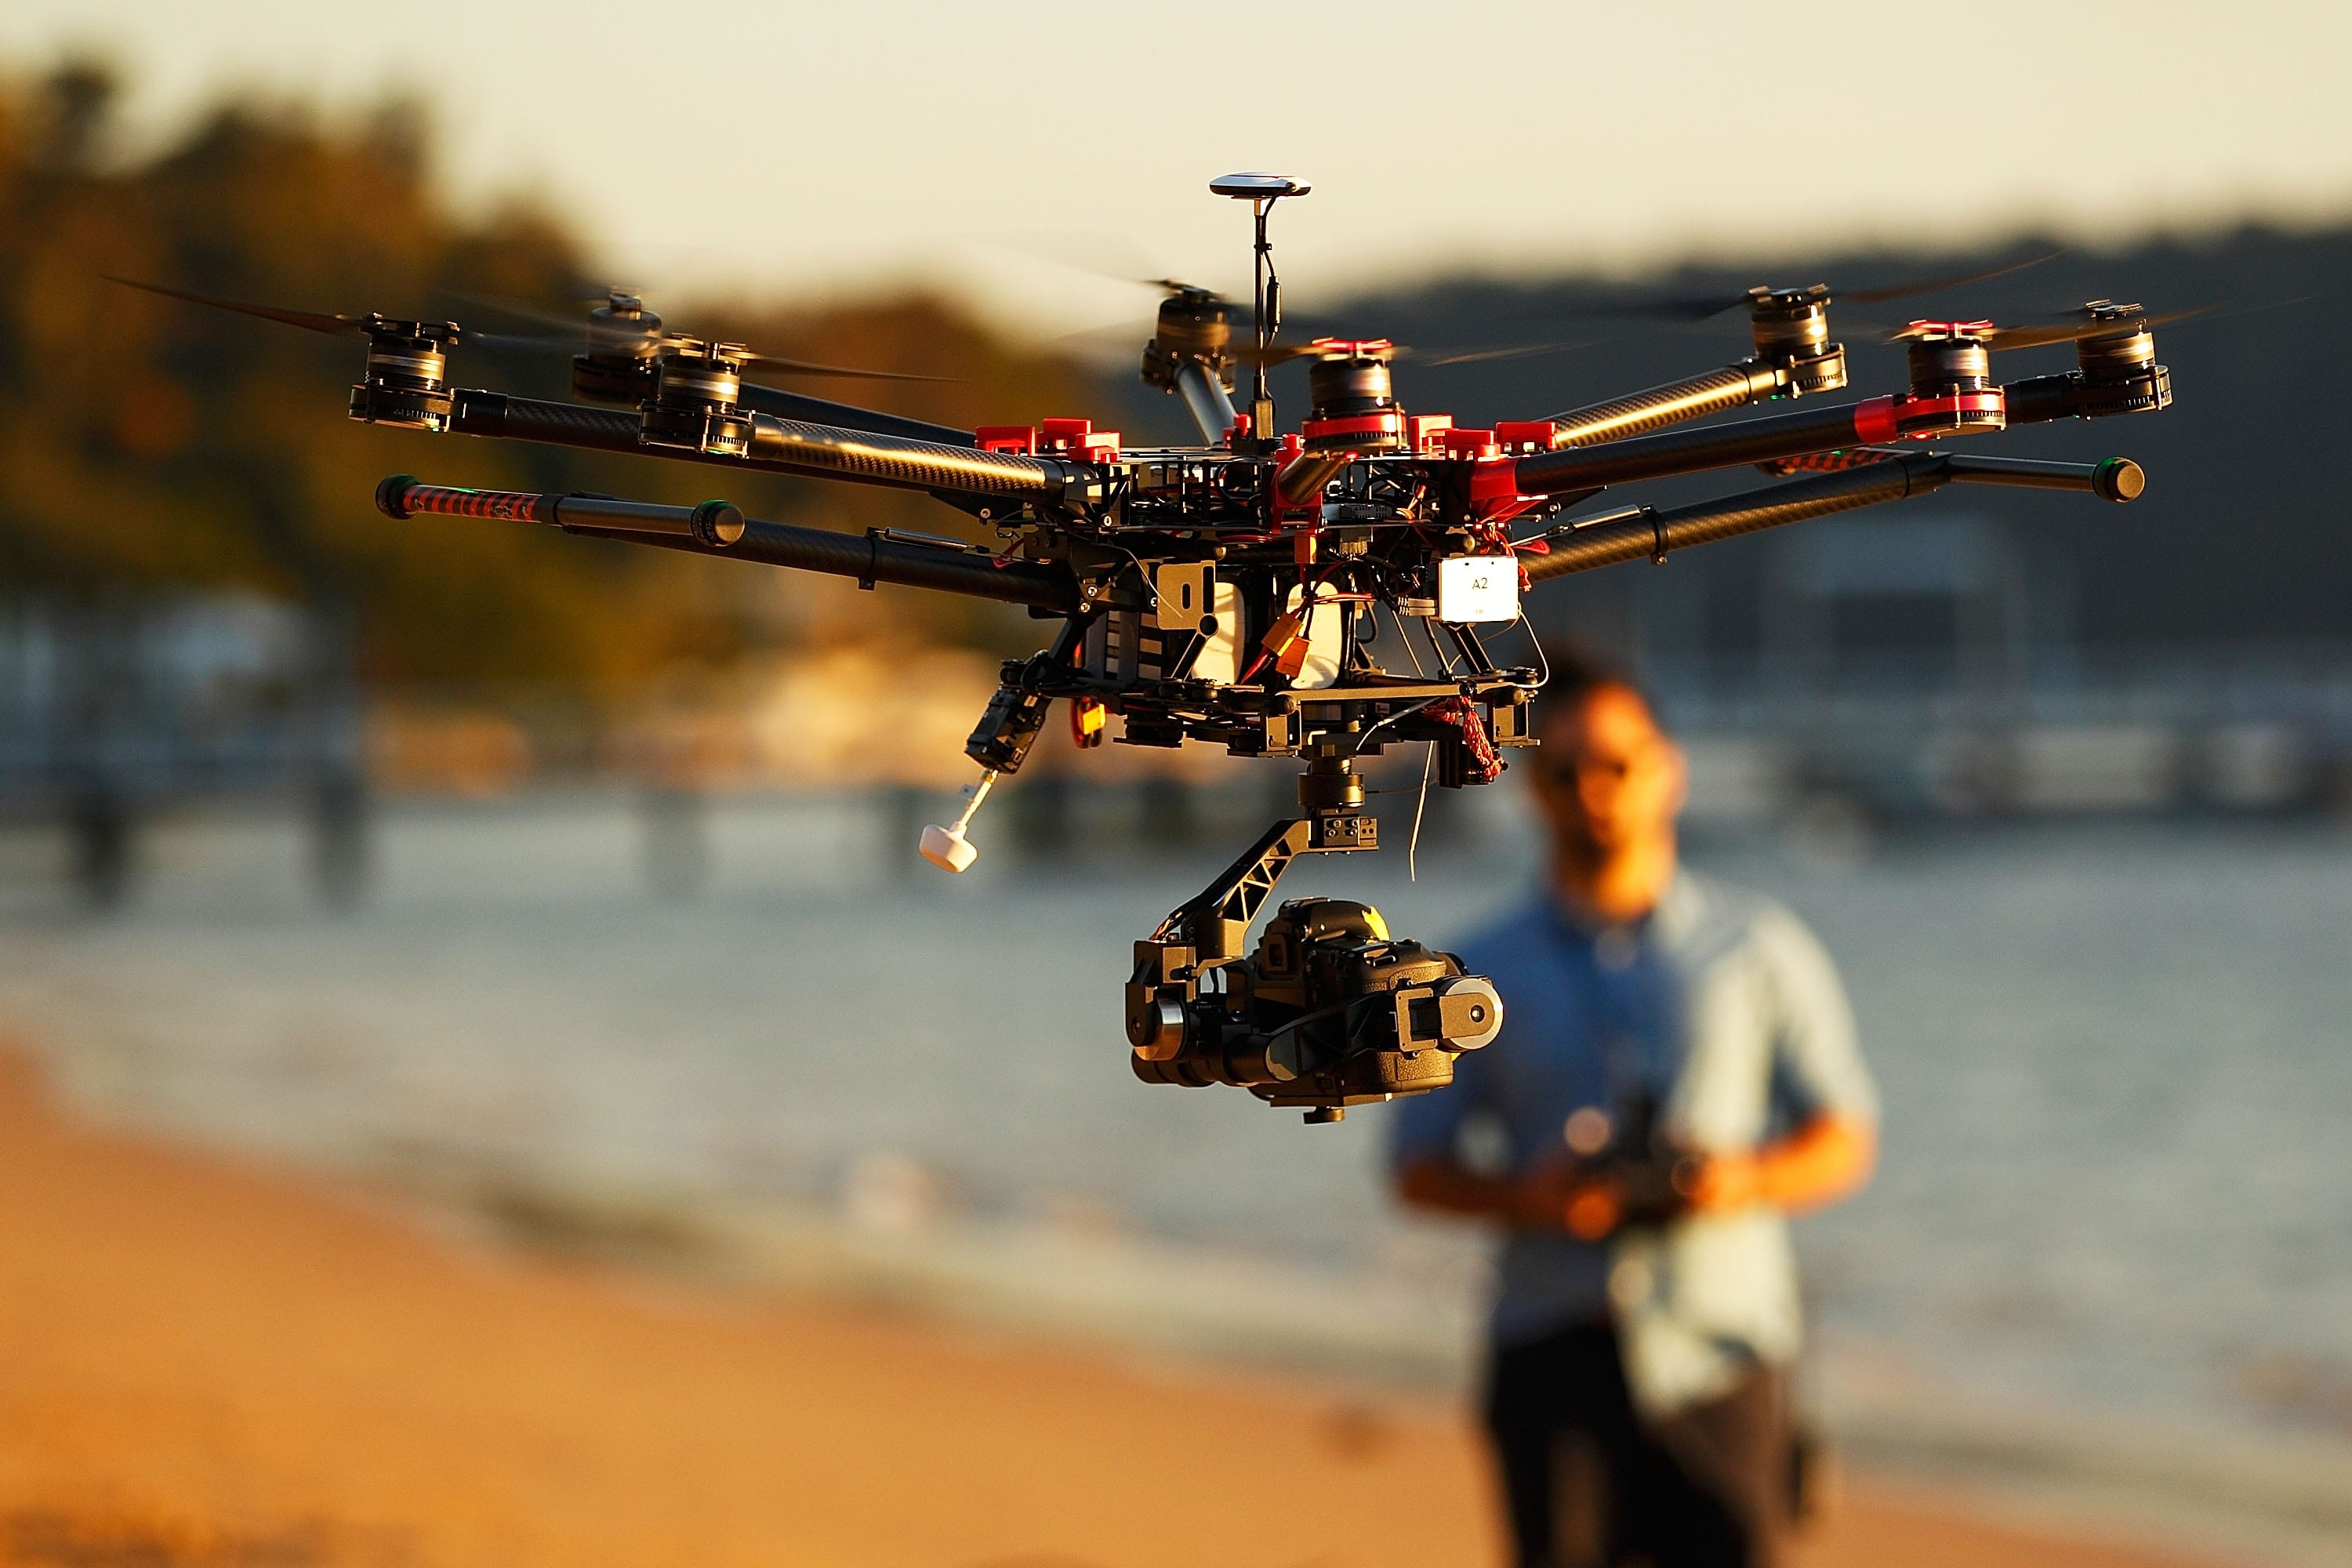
x,y
1215,923
1643,532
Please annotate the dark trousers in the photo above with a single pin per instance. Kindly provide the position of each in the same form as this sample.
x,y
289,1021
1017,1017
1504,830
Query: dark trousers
x,y
1589,1485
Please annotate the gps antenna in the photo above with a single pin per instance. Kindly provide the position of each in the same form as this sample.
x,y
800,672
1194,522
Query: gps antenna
x,y
947,847
1261,190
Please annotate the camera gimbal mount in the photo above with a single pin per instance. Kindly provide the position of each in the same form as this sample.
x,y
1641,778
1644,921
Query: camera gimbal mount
x,y
1329,1010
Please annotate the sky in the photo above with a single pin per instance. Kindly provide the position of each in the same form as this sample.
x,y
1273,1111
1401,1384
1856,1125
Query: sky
x,y
854,147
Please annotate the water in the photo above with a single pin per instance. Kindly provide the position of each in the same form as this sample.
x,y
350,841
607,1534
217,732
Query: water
x,y
2115,1196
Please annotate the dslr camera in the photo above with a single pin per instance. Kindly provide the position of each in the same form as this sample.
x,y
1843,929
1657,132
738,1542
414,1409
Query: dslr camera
x,y
1327,1012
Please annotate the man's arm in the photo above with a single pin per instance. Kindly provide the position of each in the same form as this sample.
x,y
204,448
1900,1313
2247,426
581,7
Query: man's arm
x,y
1435,1183
1547,1200
1831,1153
1828,1158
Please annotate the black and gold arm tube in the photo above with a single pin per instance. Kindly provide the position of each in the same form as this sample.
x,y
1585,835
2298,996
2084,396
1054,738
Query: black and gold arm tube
x,y
866,456
1587,469
718,528
1693,397
1633,536
785,445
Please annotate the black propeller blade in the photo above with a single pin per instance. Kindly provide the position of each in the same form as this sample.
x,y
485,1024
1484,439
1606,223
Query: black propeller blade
x,y
638,333
1700,307
314,320
779,363
1518,351
1935,285
1319,348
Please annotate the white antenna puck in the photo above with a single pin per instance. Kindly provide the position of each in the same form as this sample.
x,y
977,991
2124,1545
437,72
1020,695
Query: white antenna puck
x,y
947,847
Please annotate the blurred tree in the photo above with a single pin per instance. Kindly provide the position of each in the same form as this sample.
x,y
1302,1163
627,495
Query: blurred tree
x,y
74,113
146,442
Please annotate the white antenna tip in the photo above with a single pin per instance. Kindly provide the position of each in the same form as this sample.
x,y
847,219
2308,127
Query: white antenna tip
x,y
948,849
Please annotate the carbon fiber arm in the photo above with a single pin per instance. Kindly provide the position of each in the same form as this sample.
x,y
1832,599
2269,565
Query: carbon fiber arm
x,y
1654,534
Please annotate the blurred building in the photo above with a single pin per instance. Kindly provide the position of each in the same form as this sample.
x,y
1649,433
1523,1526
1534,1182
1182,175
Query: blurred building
x,y
116,707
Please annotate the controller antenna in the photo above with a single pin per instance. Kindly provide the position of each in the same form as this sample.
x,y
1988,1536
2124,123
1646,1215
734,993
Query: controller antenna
x,y
947,847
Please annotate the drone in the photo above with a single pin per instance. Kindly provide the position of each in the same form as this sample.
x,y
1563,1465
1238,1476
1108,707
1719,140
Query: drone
x,y
1316,594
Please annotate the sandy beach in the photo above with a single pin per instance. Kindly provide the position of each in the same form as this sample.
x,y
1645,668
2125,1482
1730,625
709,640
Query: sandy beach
x,y
210,1363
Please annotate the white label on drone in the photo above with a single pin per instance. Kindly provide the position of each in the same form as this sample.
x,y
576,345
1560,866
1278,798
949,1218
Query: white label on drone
x,y
1478,588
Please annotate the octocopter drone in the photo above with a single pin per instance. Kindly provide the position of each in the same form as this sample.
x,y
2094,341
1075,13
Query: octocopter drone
x,y
1257,591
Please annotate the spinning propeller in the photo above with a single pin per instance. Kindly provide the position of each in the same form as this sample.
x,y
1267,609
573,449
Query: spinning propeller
x,y
2115,354
1700,307
621,329
1380,348
2093,319
408,362
313,320
1790,326
1191,321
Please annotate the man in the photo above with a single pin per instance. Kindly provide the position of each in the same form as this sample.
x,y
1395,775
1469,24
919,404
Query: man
x,y
1677,1073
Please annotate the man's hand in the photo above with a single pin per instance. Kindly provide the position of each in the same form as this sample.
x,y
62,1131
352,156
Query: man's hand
x,y
1573,1199
1593,1210
1722,1183
1819,1163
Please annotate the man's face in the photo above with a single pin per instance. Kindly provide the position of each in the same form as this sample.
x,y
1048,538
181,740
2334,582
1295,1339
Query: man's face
x,y
1607,775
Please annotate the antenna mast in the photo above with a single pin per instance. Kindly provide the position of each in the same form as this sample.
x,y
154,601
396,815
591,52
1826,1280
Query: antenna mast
x,y
1261,190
